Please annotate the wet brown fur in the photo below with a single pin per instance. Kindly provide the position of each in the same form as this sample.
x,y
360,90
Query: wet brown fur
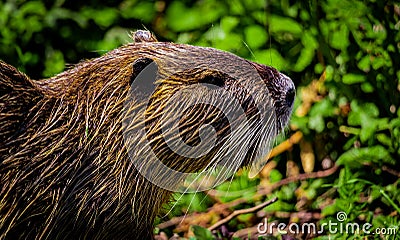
x,y
64,170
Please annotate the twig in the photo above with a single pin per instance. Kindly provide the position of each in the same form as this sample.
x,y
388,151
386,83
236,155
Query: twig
x,y
391,171
286,145
383,168
261,192
172,222
242,211
220,207
266,190
300,177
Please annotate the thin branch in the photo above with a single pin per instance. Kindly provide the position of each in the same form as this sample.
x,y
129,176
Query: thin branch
x,y
266,190
172,222
301,177
391,171
218,207
242,211
286,145
221,207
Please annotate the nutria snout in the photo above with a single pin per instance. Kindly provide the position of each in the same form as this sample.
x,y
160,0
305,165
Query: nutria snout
x,y
95,151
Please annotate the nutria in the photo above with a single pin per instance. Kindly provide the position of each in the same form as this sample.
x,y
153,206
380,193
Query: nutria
x,y
68,160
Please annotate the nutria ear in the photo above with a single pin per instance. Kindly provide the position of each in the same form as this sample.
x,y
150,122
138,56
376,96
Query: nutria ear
x,y
11,78
143,36
17,98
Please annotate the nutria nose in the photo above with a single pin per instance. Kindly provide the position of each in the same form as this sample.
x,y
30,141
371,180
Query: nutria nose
x,y
289,97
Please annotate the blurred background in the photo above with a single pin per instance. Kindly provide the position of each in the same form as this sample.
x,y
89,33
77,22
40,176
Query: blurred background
x,y
342,149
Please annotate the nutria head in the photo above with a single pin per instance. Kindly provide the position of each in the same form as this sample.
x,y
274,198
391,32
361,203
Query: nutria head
x,y
96,150
204,108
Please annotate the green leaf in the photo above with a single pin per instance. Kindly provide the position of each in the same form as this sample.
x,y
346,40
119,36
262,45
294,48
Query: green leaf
x,y
255,36
389,199
384,139
103,18
114,38
287,192
270,57
260,17
254,4
361,113
364,115
317,123
351,78
318,68
301,123
309,41
202,233
61,13
323,108
228,23
236,7
340,38
279,206
144,11
304,60
245,217
54,63
367,87
357,156
364,63
33,7
368,128
378,62
278,24
181,18
224,41
275,176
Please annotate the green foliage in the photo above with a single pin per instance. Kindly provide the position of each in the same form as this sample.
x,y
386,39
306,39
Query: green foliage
x,y
351,46
202,233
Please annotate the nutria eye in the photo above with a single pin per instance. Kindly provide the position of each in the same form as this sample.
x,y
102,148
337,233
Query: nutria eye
x,y
290,94
214,80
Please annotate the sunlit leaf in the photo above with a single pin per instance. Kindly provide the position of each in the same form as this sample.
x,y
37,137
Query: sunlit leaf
x,y
357,156
255,36
283,24
351,78
202,233
270,57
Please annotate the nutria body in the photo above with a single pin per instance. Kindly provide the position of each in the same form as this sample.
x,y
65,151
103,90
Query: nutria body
x,y
65,172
